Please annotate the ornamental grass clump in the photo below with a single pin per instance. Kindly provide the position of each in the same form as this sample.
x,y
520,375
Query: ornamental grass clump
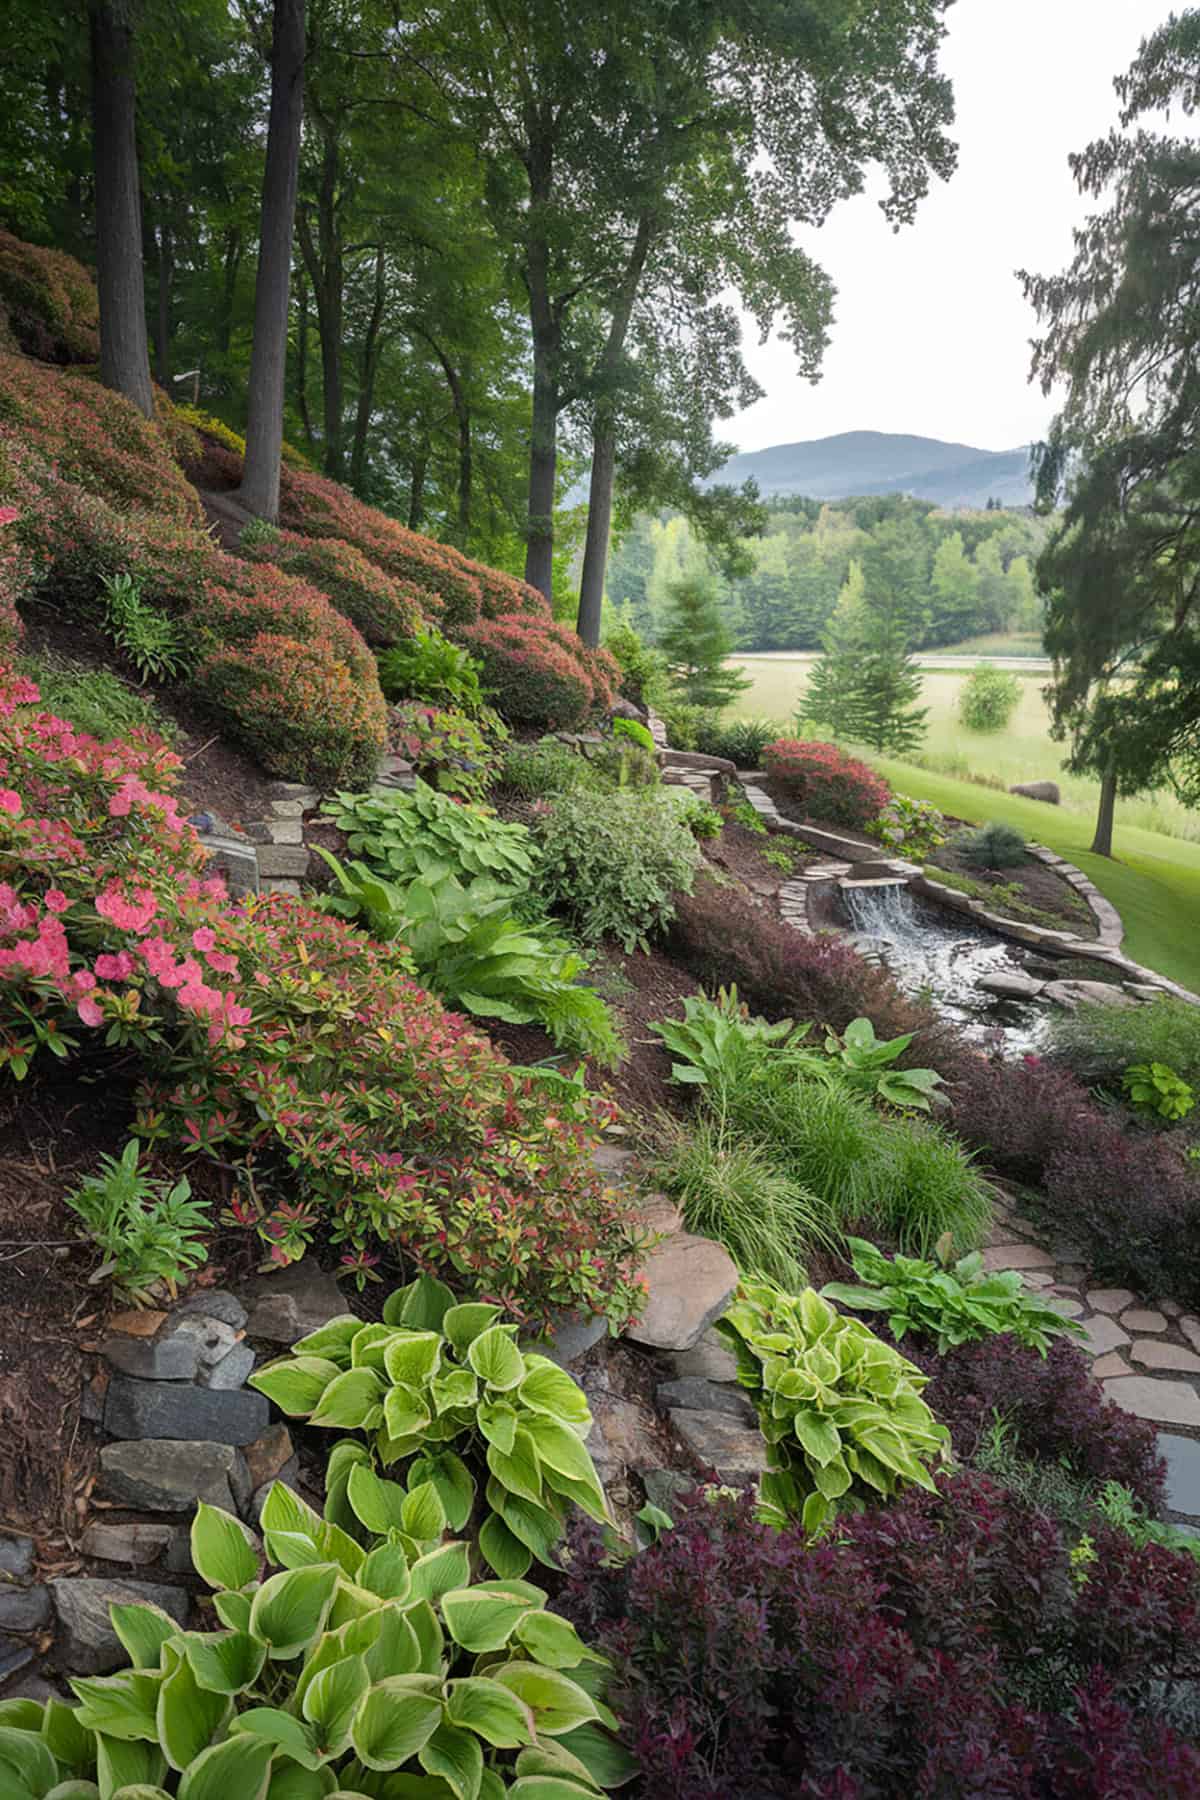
x,y
841,1411
348,1673
443,1389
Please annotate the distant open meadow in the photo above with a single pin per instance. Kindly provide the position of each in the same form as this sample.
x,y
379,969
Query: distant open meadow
x,y
1023,751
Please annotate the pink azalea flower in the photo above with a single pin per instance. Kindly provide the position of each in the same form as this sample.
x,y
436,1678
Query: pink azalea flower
x,y
10,802
204,938
89,1012
115,968
56,900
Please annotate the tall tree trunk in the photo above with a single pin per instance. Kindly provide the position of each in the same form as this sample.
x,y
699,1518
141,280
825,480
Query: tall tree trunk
x,y
368,369
1102,842
162,313
462,416
543,464
604,444
324,261
124,350
272,288
231,262
302,361
416,489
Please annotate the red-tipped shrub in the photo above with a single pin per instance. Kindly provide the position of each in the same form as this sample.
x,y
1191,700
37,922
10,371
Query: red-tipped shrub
x,y
48,304
239,600
296,706
826,782
17,572
531,674
505,596
94,438
384,608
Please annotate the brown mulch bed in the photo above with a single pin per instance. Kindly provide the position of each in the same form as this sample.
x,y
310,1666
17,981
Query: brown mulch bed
x,y
1041,888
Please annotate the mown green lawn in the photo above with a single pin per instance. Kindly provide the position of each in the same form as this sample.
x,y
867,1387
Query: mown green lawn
x,y
1152,880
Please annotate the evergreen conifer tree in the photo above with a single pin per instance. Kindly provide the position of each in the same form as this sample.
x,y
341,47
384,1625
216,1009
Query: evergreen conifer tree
x,y
864,687
830,699
695,640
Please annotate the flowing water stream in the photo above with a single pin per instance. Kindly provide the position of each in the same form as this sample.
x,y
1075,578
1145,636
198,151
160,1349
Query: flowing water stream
x,y
942,954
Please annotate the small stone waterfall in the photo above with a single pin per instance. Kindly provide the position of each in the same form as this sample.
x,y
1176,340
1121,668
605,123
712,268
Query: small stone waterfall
x,y
942,955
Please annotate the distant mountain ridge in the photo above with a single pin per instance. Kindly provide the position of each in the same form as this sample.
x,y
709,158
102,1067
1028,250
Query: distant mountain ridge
x,y
885,462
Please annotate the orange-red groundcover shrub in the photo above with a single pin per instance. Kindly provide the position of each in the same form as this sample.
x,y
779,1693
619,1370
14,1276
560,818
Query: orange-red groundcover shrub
x,y
377,1121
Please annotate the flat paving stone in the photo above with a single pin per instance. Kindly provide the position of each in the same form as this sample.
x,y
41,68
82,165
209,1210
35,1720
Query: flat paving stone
x,y
1149,1397
1065,1304
1183,1472
1142,1318
1037,1279
1153,1354
1103,1334
1110,1300
690,1281
1113,1364
693,1394
1017,1256
1172,1308
160,1475
1190,1328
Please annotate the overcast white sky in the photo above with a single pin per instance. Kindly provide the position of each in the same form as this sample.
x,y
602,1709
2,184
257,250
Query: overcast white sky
x,y
931,333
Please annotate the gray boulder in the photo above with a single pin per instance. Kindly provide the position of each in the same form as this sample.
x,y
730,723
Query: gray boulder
x,y
88,1645
161,1475
1039,790
168,1409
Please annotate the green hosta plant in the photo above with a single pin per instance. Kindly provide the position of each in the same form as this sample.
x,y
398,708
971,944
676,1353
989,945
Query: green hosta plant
x,y
442,1390
865,1063
424,835
347,1675
841,1411
429,667
716,1039
1155,1087
951,1303
466,945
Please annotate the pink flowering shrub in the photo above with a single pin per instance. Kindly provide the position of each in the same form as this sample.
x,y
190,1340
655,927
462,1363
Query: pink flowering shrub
x,y
384,607
279,1039
531,675
826,782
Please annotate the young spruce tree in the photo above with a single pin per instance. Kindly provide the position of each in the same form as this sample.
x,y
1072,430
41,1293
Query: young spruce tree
x,y
695,640
865,686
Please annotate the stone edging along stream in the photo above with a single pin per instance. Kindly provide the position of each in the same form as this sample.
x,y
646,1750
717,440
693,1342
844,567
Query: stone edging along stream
x,y
1105,947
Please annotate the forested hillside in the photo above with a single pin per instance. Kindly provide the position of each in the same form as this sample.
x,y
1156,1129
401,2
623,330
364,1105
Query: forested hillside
x,y
887,462
948,576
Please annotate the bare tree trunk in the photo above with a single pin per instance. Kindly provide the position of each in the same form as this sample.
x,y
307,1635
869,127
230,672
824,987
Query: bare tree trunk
x,y
543,466
302,361
604,444
231,263
1102,842
599,526
124,350
162,314
324,261
368,370
272,288
416,489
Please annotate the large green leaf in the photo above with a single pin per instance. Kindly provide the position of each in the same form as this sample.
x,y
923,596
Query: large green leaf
x,y
496,1359
241,1766
497,1420
421,1306
457,1757
405,1412
549,1389
605,1758
289,1610
189,1717
552,1640
423,1515
492,1712
332,1340
221,1551
521,1471
378,1504
504,1553
482,1619
558,1704
296,1383
281,1730
394,1720
26,1766
385,1572
435,1574
143,1630
549,1787
351,1401
453,1481
123,1764
463,1324
224,1662
122,1706
69,1743
413,1358
332,1700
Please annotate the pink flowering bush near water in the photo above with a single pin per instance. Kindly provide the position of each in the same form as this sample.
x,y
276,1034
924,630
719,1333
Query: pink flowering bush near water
x,y
349,1103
